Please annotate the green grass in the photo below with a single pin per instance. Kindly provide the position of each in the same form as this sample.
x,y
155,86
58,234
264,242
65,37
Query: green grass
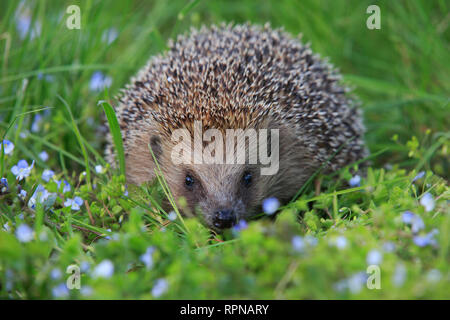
x,y
399,73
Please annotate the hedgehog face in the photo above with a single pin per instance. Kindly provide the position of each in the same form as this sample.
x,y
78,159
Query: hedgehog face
x,y
220,194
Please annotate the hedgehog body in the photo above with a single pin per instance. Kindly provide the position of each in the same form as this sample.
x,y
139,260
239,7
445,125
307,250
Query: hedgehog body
x,y
238,77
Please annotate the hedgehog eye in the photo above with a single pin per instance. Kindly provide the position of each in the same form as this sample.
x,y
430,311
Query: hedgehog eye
x,y
247,178
189,181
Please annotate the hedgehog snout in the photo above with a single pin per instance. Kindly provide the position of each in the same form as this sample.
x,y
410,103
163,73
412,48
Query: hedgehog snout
x,y
224,219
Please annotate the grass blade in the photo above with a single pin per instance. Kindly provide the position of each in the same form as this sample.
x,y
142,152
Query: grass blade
x,y
80,141
115,132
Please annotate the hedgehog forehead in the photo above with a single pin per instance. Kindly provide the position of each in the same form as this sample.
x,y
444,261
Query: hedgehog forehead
x,y
217,179
221,110
221,122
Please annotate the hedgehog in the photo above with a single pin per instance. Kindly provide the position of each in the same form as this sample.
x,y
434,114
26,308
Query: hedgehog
x,y
234,78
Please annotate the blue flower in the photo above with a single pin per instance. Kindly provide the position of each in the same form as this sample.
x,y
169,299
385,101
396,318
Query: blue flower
x,y
75,203
418,176
354,283
172,216
24,233
23,134
108,237
374,257
85,266
47,77
66,185
22,194
23,18
425,240
270,205
8,146
414,220
60,291
6,227
340,242
98,169
241,225
421,241
427,202
417,224
86,291
160,287
298,244
355,181
3,185
357,281
22,170
99,81
23,24
310,240
47,175
36,123
104,269
43,156
40,195
147,257
408,217
55,274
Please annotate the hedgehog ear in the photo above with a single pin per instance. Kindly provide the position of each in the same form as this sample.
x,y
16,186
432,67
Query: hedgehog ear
x,y
155,144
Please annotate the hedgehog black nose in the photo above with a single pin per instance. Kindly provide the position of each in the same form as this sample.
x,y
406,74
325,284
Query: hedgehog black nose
x,y
224,219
